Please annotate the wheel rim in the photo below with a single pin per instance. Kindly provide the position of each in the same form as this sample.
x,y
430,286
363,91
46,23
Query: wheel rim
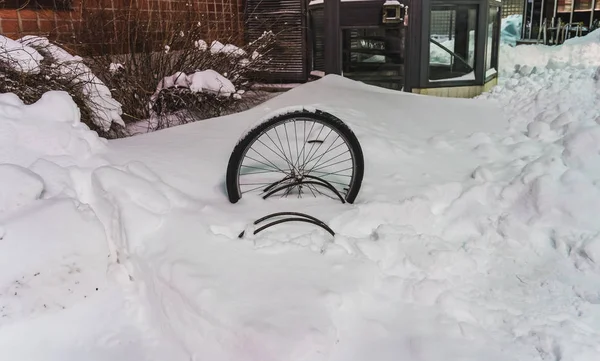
x,y
298,157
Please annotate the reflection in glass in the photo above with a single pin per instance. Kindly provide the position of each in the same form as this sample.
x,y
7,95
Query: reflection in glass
x,y
583,5
374,56
452,42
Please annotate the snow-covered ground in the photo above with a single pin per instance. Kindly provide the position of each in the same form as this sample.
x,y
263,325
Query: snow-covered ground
x,y
475,235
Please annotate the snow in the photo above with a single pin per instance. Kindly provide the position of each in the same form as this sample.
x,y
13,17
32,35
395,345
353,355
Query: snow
x,y
22,187
201,45
115,67
206,81
229,49
19,57
474,236
576,52
211,82
105,109
510,29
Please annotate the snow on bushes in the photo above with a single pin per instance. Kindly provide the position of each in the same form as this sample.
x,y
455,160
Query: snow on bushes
x,y
52,68
207,81
229,49
191,81
19,57
105,109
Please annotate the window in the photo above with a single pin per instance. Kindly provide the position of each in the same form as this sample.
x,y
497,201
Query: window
x,y
36,4
374,56
452,42
491,58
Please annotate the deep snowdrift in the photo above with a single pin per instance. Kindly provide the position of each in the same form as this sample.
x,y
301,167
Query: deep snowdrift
x,y
474,235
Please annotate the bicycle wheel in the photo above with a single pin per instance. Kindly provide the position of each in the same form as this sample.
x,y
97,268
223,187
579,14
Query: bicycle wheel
x,y
298,154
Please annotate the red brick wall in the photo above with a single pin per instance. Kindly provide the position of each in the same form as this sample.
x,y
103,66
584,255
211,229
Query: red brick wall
x,y
220,19
15,23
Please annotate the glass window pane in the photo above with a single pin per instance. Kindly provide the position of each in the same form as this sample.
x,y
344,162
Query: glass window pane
x,y
374,56
452,43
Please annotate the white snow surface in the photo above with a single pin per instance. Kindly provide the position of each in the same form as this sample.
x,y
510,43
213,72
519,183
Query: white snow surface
x,y
206,81
474,236
582,52
209,81
218,47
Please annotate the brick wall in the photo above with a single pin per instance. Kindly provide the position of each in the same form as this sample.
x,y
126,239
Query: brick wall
x,y
112,19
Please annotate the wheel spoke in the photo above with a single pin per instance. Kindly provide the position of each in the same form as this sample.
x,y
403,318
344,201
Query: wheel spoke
x,y
331,150
329,165
281,143
320,145
277,154
326,163
281,150
258,161
288,142
304,145
314,156
326,159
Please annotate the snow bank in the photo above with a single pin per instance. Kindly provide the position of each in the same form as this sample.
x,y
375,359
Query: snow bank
x,y
50,127
468,227
19,57
473,237
210,81
20,186
577,52
63,296
217,47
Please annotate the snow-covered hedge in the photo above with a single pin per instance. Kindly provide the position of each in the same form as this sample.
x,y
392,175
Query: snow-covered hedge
x,y
32,65
188,79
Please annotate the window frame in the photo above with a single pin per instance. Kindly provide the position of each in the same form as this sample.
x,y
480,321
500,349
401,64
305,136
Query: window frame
x,y
439,5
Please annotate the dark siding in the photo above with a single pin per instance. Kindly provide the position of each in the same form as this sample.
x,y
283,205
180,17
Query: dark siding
x,y
318,37
286,19
361,13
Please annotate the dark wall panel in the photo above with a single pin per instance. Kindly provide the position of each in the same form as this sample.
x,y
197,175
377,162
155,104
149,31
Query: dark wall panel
x,y
286,19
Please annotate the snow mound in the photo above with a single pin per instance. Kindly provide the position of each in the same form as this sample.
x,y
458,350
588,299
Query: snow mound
x,y
217,47
49,127
20,186
576,52
19,57
206,81
211,82
474,235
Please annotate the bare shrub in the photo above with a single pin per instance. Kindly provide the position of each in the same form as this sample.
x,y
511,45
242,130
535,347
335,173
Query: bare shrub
x,y
132,51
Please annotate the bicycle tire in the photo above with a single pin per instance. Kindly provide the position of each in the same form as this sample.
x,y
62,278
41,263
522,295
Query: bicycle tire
x,y
237,156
